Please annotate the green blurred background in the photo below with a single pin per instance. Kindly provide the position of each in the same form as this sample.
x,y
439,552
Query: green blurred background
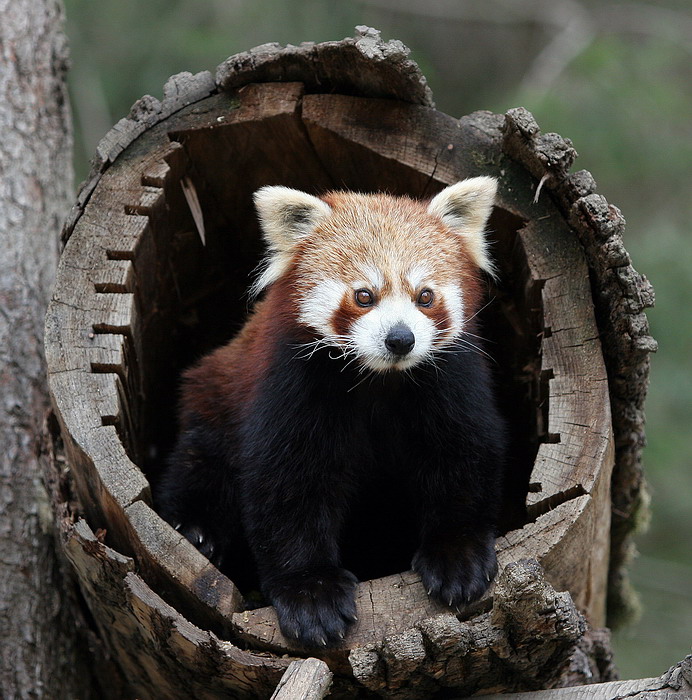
x,y
615,77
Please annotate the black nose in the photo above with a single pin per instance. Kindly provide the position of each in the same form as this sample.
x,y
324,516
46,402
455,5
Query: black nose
x,y
400,340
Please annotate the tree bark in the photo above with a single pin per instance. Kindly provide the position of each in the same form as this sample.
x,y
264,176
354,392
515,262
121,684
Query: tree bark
x,y
39,649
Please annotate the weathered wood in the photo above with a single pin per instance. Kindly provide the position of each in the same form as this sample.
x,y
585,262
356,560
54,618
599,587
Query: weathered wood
x,y
384,606
176,570
675,684
620,295
159,651
309,679
532,636
139,296
363,65
179,91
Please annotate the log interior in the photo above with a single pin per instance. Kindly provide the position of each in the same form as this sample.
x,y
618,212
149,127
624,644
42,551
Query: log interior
x,y
193,297
141,297
138,298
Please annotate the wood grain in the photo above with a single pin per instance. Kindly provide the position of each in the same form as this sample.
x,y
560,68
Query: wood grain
x,y
159,651
308,679
675,684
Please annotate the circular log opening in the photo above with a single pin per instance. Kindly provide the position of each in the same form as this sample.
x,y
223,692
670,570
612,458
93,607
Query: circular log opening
x,y
207,245
155,275
139,297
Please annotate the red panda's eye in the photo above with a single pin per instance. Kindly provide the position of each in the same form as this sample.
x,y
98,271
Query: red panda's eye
x,y
364,297
425,298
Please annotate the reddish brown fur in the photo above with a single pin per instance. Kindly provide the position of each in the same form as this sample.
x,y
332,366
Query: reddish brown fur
x,y
393,232
471,278
225,381
378,227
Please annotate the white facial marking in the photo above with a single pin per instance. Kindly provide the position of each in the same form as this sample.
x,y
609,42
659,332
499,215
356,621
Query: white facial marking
x,y
371,329
418,274
454,303
372,278
317,309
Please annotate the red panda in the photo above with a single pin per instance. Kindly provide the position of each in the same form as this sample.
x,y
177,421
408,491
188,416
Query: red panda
x,y
358,367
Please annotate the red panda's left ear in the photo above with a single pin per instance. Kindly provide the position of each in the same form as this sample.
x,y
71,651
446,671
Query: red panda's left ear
x,y
286,216
465,208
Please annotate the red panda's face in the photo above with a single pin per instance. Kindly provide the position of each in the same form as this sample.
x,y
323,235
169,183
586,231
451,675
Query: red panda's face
x,y
383,280
389,281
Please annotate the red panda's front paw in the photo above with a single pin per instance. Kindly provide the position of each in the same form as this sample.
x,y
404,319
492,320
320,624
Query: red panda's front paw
x,y
314,606
456,570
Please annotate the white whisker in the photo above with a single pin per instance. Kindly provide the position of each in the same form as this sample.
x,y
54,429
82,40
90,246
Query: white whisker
x,y
369,375
409,374
480,337
485,306
342,343
475,348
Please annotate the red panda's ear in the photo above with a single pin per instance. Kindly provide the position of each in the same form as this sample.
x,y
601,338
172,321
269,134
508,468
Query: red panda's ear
x,y
465,208
286,216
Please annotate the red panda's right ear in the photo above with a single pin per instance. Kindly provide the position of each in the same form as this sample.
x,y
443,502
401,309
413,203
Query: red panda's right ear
x,y
286,216
465,207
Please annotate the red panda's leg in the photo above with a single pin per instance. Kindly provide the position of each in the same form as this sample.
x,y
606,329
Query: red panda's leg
x,y
293,509
456,558
460,484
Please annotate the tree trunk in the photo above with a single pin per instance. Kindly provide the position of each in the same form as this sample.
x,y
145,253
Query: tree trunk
x,y
40,652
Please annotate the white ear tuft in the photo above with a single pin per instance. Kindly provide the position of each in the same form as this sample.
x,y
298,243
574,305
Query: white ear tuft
x,y
286,216
465,208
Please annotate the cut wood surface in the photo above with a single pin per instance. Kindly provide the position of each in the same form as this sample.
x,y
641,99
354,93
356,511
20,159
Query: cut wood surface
x,y
620,295
307,679
140,294
155,645
364,65
532,632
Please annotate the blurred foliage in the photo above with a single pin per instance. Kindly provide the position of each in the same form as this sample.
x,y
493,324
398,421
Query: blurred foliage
x,y
615,77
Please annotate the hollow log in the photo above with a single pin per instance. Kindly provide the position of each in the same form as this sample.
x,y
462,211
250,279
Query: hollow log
x,y
158,249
